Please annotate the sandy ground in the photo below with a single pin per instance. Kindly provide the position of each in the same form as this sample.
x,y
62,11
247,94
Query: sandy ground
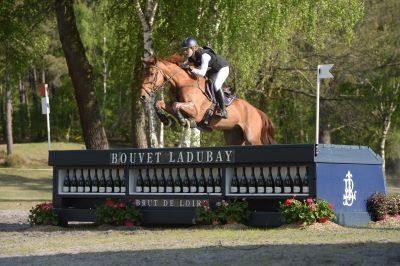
x,y
328,244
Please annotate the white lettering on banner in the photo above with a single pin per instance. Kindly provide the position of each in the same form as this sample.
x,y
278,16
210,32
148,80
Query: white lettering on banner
x,y
207,156
349,195
181,203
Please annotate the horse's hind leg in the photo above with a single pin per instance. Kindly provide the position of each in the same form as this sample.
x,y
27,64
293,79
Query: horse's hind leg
x,y
234,136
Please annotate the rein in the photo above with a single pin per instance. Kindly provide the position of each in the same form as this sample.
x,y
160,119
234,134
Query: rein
x,y
154,87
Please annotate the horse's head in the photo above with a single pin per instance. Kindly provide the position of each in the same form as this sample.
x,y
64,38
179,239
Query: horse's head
x,y
153,79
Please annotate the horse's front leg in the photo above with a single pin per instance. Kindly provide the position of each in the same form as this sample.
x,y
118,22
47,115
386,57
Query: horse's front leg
x,y
189,108
161,109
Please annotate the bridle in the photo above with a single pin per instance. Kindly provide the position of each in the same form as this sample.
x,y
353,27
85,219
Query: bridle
x,y
154,87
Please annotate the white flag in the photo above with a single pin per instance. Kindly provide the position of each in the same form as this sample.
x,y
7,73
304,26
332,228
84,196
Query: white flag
x,y
323,71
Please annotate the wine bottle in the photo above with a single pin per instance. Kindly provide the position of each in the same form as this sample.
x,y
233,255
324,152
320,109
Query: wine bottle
x,y
95,182
74,183
243,183
186,182
170,182
297,182
304,181
178,182
123,185
193,182
66,183
269,188
287,182
234,182
146,182
261,182
117,183
252,182
202,182
81,183
88,182
109,182
139,182
102,182
161,182
217,182
278,182
154,183
210,182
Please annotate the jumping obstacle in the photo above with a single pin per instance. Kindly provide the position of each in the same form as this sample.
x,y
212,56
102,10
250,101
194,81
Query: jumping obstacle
x,y
168,184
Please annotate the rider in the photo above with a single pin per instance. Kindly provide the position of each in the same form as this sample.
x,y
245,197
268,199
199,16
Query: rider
x,y
207,63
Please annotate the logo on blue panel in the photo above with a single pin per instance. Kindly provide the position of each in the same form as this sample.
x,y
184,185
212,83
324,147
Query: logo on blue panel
x,y
349,195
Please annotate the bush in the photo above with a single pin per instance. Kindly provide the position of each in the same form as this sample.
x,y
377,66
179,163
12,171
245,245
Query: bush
x,y
118,213
43,214
380,205
307,211
226,212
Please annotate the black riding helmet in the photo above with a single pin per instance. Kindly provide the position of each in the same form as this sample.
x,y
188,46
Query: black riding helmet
x,y
189,42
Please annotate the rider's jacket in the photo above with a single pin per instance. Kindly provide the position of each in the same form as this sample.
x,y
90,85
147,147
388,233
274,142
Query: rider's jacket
x,y
216,63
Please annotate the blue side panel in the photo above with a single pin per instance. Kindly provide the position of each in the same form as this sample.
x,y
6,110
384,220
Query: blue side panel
x,y
348,186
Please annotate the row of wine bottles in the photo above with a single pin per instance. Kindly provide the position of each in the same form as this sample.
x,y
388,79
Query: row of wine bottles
x,y
270,184
95,181
173,181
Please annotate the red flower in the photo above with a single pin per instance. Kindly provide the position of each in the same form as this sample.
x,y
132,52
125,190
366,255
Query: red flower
x,y
109,203
312,207
121,205
289,202
204,204
310,200
128,223
323,220
330,206
45,206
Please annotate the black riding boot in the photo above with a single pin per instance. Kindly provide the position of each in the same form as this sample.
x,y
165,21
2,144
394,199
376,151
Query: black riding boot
x,y
221,102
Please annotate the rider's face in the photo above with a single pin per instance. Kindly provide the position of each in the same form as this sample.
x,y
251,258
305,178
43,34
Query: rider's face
x,y
188,52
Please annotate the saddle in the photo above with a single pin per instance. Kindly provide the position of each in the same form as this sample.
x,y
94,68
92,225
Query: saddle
x,y
209,91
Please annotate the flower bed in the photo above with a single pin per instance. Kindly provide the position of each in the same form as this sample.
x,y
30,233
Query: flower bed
x,y
118,213
382,206
307,212
226,212
43,214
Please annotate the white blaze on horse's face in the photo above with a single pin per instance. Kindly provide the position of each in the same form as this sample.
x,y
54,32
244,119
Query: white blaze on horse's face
x,y
152,81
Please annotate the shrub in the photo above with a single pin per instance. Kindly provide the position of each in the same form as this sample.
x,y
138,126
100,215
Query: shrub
x,y
232,212
226,212
376,206
307,211
205,215
43,214
118,213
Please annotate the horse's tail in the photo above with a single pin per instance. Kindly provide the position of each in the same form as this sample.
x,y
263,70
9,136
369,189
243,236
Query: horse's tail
x,y
267,130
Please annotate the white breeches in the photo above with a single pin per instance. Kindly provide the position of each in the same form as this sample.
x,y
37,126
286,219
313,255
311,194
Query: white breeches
x,y
220,77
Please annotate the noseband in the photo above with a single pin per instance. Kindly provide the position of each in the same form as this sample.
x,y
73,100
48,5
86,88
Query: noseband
x,y
154,87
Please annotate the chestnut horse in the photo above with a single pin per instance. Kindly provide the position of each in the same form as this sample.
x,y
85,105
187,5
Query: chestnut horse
x,y
245,123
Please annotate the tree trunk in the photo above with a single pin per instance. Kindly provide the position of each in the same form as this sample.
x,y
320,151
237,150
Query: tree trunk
x,y
147,18
81,73
8,113
22,109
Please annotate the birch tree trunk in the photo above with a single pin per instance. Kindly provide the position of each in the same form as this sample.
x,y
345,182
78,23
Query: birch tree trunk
x,y
146,17
8,112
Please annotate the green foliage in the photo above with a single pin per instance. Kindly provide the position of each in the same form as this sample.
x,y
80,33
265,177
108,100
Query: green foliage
x,y
43,214
380,205
118,213
307,211
235,211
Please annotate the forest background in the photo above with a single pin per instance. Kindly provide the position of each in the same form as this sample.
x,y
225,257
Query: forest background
x,y
89,52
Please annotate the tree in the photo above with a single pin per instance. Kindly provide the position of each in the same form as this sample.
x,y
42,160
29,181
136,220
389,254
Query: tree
x,y
81,73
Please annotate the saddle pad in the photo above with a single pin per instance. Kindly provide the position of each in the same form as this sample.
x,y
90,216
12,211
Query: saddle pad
x,y
229,97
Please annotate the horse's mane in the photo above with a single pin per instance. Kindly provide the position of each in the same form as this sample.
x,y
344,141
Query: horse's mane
x,y
175,59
